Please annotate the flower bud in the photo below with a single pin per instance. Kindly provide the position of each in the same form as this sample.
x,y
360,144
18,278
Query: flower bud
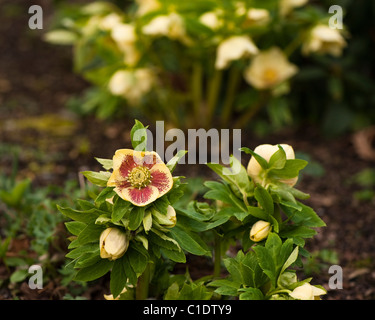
x,y
260,230
307,292
167,220
254,170
113,243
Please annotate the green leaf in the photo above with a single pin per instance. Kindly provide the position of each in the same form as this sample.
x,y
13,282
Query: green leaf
x,y
251,294
173,162
136,217
94,271
118,277
120,209
98,178
190,242
257,212
176,256
291,169
138,136
291,259
105,194
130,273
264,199
262,162
137,261
305,217
87,216
90,233
278,159
106,163
75,227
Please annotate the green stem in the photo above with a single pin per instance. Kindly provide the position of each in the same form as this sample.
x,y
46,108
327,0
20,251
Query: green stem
x,y
233,81
196,88
213,94
143,284
217,255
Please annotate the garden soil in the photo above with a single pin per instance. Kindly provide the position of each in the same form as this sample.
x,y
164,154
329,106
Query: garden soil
x,y
36,82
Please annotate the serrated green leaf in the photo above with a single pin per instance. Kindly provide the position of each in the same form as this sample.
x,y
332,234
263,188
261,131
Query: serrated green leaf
x,y
120,209
106,163
138,136
278,159
264,199
189,241
262,162
98,178
171,165
94,271
88,216
136,217
118,277
75,227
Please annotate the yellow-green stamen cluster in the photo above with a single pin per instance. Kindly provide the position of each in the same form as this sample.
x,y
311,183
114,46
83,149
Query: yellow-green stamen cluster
x,y
139,177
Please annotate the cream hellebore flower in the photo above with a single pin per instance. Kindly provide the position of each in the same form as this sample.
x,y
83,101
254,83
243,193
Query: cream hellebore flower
x,y
125,37
256,16
113,243
146,6
307,292
211,20
131,84
110,21
234,48
322,39
269,69
286,6
139,177
254,170
260,230
171,26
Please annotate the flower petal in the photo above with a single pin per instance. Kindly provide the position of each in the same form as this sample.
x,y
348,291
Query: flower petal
x,y
161,178
139,197
150,159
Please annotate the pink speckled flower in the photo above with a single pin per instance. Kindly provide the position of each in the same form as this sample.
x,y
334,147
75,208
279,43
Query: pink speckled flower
x,y
139,177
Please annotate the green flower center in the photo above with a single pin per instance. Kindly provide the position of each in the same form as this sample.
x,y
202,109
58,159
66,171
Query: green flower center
x,y
139,177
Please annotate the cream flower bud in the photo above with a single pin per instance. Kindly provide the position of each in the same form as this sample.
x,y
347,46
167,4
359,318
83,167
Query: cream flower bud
x,y
254,170
234,48
260,230
307,292
268,69
171,216
322,39
167,220
113,243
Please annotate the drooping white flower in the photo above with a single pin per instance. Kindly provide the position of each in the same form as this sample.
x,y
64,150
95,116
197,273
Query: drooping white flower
x,y
234,48
322,39
307,292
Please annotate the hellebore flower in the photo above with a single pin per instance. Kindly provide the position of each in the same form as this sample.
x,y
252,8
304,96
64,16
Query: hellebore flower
x,y
286,6
322,39
260,230
113,244
268,69
139,177
234,48
254,170
307,292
